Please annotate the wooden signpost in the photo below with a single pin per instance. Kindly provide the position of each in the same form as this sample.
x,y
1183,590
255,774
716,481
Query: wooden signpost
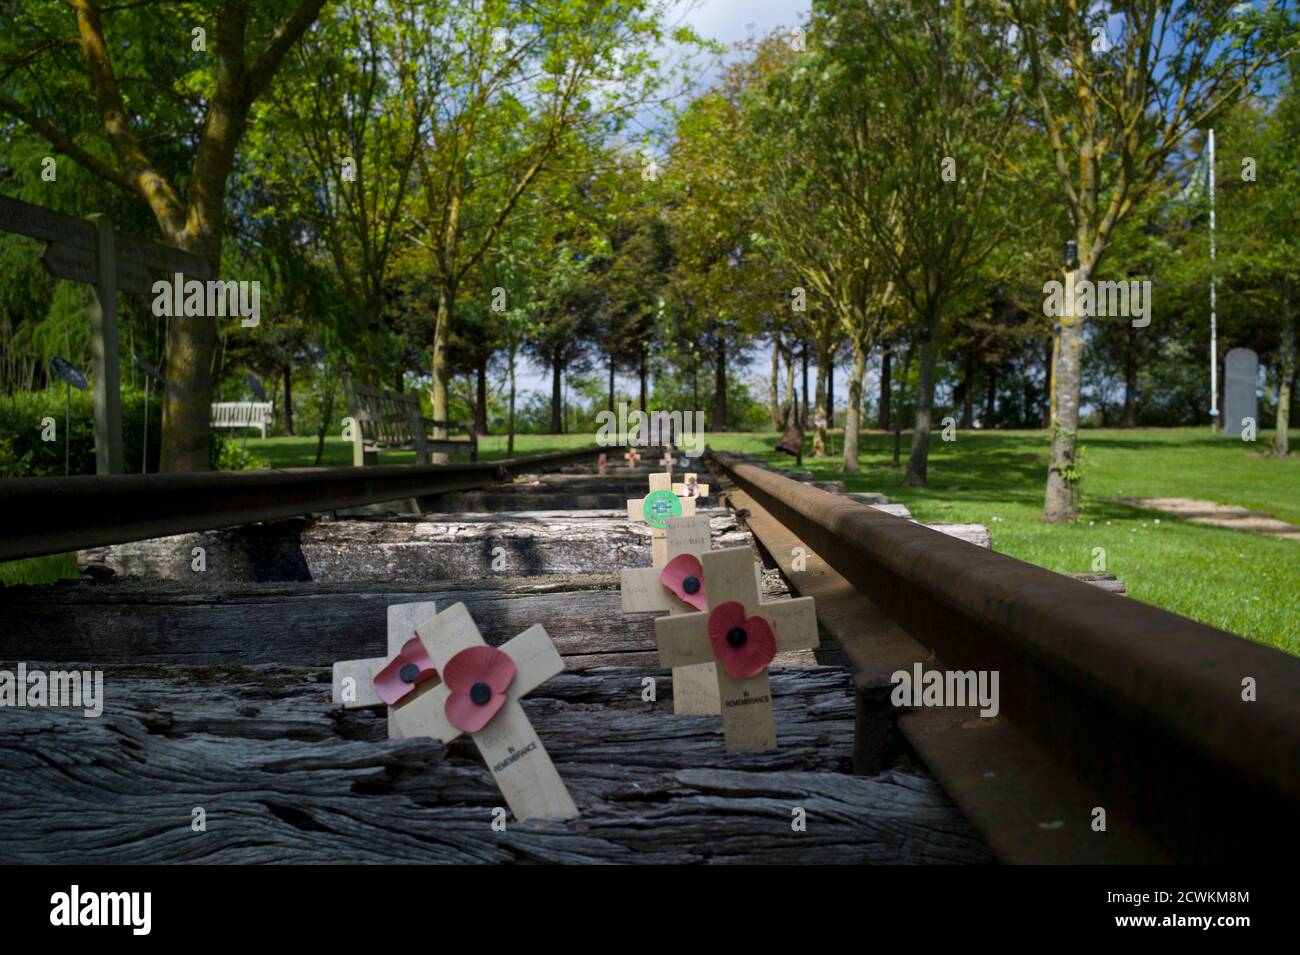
x,y
740,634
446,681
90,250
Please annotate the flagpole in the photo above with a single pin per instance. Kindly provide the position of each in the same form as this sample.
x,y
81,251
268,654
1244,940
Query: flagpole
x,y
1214,330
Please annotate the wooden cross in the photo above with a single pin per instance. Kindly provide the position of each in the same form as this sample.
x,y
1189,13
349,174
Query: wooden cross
x,y
601,463
632,457
654,509
667,460
691,487
505,738
695,688
738,632
354,679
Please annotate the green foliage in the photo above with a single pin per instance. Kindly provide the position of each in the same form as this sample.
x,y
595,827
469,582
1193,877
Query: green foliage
x,y
24,454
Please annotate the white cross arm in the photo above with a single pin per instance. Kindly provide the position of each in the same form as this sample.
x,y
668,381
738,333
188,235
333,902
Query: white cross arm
x,y
642,592
683,640
362,674
402,622
793,623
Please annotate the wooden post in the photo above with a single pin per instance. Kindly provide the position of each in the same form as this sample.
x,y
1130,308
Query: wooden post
x,y
103,345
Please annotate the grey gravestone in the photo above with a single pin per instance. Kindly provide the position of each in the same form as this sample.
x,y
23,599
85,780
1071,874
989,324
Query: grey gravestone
x,y
1240,378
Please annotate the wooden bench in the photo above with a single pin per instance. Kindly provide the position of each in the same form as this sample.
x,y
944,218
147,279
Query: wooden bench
x,y
243,414
393,421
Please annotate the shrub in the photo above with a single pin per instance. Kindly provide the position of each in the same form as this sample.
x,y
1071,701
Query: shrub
x,y
23,453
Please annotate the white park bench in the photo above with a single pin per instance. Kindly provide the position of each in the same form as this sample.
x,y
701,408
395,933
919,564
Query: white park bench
x,y
243,414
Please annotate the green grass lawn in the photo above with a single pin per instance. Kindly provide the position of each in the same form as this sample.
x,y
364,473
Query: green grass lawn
x,y
1238,581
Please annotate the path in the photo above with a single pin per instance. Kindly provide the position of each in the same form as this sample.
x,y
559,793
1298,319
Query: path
x,y
1217,515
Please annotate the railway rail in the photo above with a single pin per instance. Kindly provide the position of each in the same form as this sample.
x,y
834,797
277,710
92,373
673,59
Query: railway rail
x,y
1106,704
53,515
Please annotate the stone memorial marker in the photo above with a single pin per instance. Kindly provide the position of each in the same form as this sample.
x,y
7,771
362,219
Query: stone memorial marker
x,y
1240,380
740,634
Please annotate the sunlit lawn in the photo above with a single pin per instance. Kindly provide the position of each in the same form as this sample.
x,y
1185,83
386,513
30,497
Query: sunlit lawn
x,y
1239,581
1243,582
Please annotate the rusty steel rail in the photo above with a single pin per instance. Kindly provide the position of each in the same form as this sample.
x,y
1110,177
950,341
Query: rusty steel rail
x,y
1143,705
53,515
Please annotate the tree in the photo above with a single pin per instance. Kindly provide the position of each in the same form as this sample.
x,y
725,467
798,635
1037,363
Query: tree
x,y
116,110
522,84
338,146
1117,88
928,81
810,153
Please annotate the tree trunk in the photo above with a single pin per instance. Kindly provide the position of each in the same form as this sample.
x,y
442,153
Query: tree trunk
x,y
852,413
1130,379
719,422
446,304
830,390
645,382
919,457
1051,376
803,412
991,397
967,389
819,406
773,390
557,396
1062,476
326,417
886,353
1286,374
790,410
510,439
288,403
187,395
611,381
480,397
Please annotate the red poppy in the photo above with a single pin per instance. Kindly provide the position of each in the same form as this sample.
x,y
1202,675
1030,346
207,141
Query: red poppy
x,y
402,674
478,678
684,578
743,645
